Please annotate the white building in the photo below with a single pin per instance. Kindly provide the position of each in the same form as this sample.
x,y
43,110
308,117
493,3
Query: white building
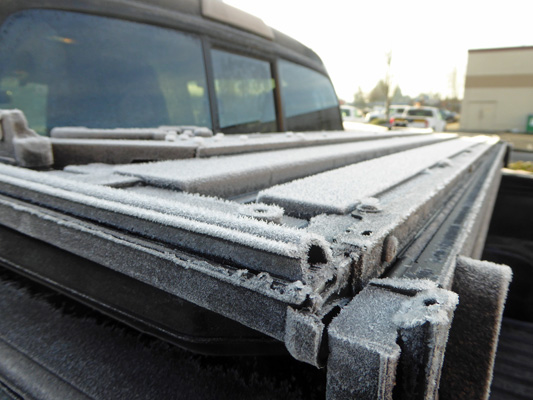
x,y
498,89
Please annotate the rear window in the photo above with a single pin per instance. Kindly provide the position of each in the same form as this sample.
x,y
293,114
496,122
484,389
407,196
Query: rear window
x,y
420,113
244,90
69,69
308,98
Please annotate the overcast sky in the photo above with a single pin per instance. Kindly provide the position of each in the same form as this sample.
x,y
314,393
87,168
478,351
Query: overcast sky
x,y
428,38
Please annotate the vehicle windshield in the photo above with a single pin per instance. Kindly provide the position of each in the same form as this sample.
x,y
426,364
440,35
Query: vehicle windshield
x,y
420,113
69,69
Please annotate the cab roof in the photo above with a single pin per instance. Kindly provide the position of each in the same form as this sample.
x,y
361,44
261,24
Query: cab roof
x,y
222,24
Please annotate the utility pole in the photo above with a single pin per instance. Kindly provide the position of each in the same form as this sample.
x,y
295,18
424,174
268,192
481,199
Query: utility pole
x,y
387,88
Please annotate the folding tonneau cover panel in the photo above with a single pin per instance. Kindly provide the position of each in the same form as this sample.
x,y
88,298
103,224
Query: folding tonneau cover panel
x,y
301,244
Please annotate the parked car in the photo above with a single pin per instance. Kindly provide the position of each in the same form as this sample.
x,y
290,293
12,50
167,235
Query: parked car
x,y
421,117
448,116
394,111
351,113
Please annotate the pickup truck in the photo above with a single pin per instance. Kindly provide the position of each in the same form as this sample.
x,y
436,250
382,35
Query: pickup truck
x,y
175,176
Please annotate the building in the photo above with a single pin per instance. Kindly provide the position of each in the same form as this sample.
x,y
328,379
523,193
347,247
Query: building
x,y
498,89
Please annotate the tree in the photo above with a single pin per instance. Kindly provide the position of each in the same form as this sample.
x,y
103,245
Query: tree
x,y
429,99
387,85
397,95
379,93
359,99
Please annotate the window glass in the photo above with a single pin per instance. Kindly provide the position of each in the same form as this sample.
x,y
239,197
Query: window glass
x,y
420,112
308,98
69,69
30,97
304,90
245,93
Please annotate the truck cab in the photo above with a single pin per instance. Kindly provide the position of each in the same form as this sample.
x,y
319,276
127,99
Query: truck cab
x,y
105,66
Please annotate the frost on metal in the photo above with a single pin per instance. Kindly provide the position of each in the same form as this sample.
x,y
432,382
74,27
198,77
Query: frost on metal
x,y
482,288
222,144
168,133
258,244
77,132
341,190
20,145
402,211
99,178
232,175
303,336
383,331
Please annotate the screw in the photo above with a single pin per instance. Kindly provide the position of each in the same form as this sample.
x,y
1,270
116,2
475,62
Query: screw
x,y
369,205
444,163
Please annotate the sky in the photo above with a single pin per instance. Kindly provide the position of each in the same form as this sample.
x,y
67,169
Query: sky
x,y
428,39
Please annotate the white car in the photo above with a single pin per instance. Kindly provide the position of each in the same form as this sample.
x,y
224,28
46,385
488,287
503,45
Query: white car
x,y
351,113
394,111
421,117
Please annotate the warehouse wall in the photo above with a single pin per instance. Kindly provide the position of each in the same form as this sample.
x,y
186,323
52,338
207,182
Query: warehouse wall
x,y
498,89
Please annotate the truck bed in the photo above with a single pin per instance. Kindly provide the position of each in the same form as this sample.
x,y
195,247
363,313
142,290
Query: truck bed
x,y
347,250
513,370
55,348
99,358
